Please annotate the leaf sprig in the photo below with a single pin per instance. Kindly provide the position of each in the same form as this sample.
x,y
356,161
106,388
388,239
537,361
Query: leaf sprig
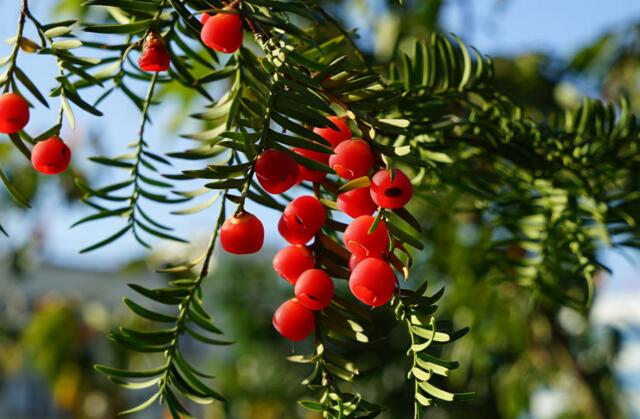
x,y
338,326
176,375
415,310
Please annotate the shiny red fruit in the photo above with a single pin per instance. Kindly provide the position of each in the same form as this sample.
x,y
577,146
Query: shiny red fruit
x,y
292,236
314,289
352,159
51,156
364,244
310,174
204,18
354,260
302,219
276,171
14,113
373,282
292,261
332,136
356,202
242,234
293,321
154,57
391,193
222,32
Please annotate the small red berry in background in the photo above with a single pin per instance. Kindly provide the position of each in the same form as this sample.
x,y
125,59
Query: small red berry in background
x,y
310,174
356,202
302,219
352,159
314,289
14,113
292,261
388,192
204,18
276,171
222,32
51,157
373,282
293,321
154,56
242,234
364,244
332,136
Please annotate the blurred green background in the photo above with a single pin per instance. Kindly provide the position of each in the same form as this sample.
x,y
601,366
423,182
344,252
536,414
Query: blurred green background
x,y
523,360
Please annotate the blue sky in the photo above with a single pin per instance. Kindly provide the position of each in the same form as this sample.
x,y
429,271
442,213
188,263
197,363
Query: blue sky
x,y
555,26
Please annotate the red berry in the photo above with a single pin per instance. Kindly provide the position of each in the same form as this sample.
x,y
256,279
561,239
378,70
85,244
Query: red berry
x,y
14,113
293,321
276,171
302,219
242,234
292,236
310,174
364,244
373,282
292,261
204,18
352,159
354,260
356,202
222,32
314,289
51,156
332,136
391,193
155,56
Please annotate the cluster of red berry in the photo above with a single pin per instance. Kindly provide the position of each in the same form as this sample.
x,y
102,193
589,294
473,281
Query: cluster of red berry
x,y
222,32
372,279
51,156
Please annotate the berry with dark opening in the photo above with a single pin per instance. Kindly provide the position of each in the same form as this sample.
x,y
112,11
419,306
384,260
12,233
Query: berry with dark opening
x,y
276,171
14,113
51,157
314,289
292,261
310,174
293,321
373,282
388,192
222,32
333,136
352,159
242,234
356,202
302,219
154,56
364,244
